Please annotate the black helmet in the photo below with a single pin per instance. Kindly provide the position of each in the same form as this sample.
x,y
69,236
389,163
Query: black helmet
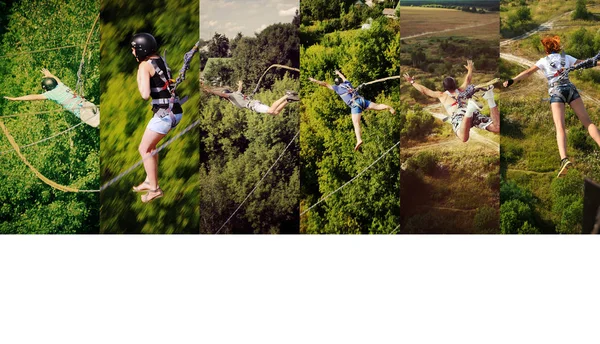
x,y
48,84
144,45
338,80
449,84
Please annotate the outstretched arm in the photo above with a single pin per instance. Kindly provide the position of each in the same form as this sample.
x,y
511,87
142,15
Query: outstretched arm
x,y
341,75
321,83
469,76
240,86
28,97
521,76
216,93
423,89
47,74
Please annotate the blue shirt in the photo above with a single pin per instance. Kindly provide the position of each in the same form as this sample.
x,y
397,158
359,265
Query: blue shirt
x,y
346,91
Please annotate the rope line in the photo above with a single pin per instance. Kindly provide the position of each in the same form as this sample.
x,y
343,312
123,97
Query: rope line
x,y
378,80
267,70
48,49
260,181
33,169
141,161
350,181
79,85
32,113
44,140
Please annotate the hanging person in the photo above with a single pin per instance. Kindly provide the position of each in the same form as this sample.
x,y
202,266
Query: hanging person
x,y
154,81
355,101
59,93
562,92
463,116
243,101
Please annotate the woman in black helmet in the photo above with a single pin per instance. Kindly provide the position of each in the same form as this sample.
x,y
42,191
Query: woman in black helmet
x,y
153,82
463,117
59,93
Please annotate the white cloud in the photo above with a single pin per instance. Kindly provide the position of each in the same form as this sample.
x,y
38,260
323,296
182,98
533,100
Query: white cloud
x,y
262,27
212,23
288,12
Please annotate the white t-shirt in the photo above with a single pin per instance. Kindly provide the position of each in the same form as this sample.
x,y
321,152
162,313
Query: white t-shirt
x,y
550,72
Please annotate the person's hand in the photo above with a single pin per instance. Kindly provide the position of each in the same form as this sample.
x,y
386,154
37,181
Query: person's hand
x,y
408,78
505,84
338,73
239,83
46,73
312,79
10,98
469,65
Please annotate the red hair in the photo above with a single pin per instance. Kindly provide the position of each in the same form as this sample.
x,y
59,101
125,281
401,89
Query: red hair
x,y
551,44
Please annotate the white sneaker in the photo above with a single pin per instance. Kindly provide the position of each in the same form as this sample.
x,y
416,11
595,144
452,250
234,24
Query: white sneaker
x,y
489,94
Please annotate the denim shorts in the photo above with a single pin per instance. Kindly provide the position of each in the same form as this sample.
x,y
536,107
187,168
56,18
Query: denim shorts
x,y
163,125
359,105
564,91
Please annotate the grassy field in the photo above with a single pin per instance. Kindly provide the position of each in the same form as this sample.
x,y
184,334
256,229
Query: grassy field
x,y
420,20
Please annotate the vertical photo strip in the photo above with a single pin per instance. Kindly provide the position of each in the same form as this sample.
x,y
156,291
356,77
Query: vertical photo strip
x,y
150,130
551,109
350,127
249,113
49,117
451,121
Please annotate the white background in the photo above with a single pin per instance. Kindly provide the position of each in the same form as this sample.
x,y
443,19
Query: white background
x,y
299,289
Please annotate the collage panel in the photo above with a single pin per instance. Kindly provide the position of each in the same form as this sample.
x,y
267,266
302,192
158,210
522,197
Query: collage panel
x,y
249,114
550,111
349,128
451,121
149,133
49,117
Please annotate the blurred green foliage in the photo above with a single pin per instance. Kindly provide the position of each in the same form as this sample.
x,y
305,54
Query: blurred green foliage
x,y
370,204
27,204
126,114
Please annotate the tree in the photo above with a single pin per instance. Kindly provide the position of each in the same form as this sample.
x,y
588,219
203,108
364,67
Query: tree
x,y
218,46
581,11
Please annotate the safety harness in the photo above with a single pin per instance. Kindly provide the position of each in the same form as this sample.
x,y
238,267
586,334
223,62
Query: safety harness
x,y
165,95
563,82
357,100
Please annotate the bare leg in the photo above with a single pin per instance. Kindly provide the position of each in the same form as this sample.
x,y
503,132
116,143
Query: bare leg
x,y
558,114
279,104
356,123
579,108
464,128
380,107
148,144
495,114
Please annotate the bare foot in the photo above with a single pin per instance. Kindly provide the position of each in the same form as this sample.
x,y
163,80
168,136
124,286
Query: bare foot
x,y
358,146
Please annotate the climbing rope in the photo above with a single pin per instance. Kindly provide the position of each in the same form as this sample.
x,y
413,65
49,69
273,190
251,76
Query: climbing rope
x,y
79,85
267,70
351,180
260,181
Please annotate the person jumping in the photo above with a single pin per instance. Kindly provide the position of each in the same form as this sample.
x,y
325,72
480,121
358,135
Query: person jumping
x,y
57,92
355,101
463,116
243,101
555,66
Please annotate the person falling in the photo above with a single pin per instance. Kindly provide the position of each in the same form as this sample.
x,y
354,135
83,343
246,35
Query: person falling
x,y
355,101
463,117
243,101
59,93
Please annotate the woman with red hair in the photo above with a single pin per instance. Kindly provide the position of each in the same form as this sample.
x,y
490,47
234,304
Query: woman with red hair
x,y
555,67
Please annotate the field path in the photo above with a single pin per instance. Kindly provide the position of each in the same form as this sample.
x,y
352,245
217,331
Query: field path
x,y
446,30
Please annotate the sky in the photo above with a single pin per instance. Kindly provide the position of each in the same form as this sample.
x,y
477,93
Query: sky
x,y
246,16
